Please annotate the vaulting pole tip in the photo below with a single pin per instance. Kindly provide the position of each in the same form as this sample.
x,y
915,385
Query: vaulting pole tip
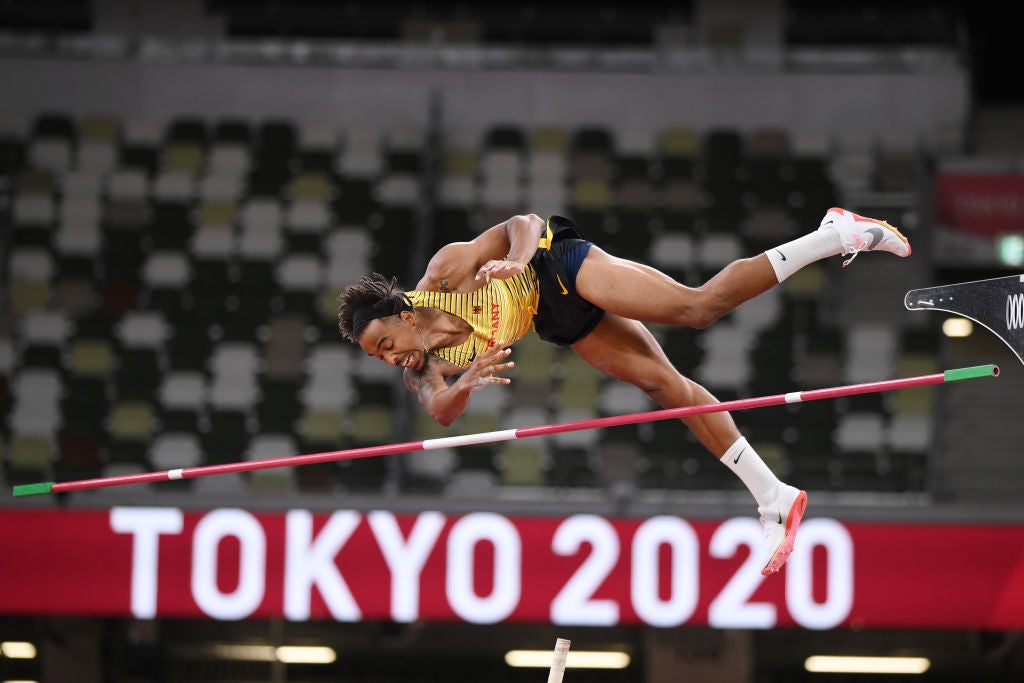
x,y
33,489
974,372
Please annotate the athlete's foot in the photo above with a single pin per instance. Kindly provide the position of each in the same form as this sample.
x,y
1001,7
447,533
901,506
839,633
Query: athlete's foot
x,y
860,233
780,520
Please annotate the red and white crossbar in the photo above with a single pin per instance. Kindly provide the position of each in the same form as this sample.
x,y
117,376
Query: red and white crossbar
x,y
974,372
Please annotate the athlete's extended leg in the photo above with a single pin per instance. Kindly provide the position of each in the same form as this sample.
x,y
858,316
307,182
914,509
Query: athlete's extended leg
x,y
637,291
626,350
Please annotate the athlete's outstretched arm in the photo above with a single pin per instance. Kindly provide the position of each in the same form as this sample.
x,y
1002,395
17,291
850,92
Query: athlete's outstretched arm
x,y
445,402
501,251
523,233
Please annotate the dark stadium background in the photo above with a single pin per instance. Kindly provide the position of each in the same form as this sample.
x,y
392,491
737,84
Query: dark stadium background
x,y
958,466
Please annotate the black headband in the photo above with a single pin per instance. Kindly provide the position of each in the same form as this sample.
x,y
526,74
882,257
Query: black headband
x,y
382,309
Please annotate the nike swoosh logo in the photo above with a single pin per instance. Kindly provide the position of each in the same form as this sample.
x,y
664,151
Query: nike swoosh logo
x,y
780,516
564,290
472,357
876,237
739,455
781,254
830,221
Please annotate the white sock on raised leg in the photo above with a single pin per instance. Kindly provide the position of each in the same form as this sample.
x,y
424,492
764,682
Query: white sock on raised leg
x,y
790,257
742,459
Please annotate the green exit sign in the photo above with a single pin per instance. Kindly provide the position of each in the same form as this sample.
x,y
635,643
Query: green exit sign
x,y
1010,249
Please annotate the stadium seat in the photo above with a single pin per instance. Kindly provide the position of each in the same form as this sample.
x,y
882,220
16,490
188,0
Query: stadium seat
x,y
90,358
583,438
679,142
910,433
131,425
285,348
182,399
84,406
42,336
140,144
174,186
188,129
53,154
31,271
226,435
140,360
768,142
591,195
768,225
185,157
871,353
232,131
860,432
306,221
35,406
522,465
30,458
172,450
300,278
361,155
278,480
325,427
233,368
79,455
725,363
427,472
681,193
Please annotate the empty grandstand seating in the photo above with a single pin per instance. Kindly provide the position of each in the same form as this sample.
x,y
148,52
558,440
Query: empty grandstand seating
x,y
172,300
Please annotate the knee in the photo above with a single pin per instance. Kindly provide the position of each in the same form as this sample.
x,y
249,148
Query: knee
x,y
704,317
667,388
703,308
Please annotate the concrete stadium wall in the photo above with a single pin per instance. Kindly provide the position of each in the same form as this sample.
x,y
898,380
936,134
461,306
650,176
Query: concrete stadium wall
x,y
918,104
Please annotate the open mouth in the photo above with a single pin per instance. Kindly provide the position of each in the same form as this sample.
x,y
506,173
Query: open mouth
x,y
407,360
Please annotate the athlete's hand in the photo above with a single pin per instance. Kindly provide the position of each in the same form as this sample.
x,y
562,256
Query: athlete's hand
x,y
501,269
483,370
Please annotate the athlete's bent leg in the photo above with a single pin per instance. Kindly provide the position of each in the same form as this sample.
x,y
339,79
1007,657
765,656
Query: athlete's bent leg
x,y
626,350
638,291
641,292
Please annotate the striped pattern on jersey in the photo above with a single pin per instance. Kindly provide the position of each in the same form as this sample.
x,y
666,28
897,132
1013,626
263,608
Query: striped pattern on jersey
x,y
501,309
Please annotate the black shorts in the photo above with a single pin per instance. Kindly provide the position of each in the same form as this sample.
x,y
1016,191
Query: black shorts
x,y
563,316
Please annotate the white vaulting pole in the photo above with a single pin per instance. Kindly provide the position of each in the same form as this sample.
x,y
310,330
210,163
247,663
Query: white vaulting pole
x,y
558,661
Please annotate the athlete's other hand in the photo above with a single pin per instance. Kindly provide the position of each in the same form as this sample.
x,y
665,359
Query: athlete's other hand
x,y
485,366
501,269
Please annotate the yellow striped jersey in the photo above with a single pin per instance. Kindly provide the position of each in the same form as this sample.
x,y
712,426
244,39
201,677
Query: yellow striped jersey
x,y
501,309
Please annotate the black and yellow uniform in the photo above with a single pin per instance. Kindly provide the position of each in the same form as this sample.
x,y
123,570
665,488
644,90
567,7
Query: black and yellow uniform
x,y
563,316
542,296
501,310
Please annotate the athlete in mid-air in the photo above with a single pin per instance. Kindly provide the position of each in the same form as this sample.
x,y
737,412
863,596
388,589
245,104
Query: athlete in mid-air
x,y
452,333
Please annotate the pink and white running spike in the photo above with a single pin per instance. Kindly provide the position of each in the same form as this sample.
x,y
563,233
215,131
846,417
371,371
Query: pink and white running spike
x,y
859,233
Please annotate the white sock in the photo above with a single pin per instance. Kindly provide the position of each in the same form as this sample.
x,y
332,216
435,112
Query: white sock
x,y
742,459
790,257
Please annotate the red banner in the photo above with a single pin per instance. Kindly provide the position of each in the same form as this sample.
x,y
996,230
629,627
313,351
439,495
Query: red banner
x,y
981,203
487,568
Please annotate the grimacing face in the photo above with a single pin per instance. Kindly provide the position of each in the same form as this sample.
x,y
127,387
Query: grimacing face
x,y
394,340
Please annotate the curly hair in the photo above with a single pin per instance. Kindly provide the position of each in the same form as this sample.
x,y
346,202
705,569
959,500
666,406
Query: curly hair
x,y
374,293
